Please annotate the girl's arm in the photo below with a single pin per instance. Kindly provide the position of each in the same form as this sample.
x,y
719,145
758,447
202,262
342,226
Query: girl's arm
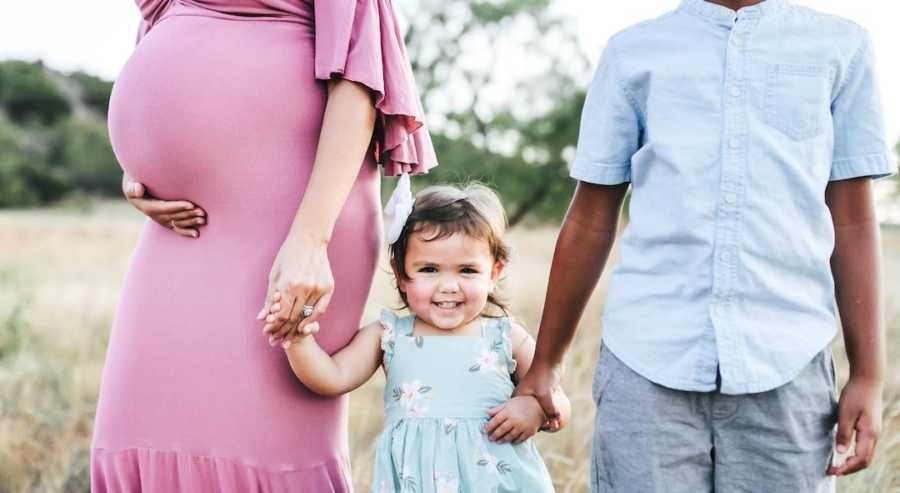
x,y
341,372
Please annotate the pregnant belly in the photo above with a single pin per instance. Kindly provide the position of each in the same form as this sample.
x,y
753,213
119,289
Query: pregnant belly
x,y
209,110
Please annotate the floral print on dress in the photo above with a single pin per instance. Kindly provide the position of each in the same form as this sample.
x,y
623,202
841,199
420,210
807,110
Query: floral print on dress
x,y
489,359
446,484
485,459
411,395
450,425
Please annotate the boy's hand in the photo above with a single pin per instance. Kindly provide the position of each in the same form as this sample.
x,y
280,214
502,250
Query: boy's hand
x,y
515,420
560,400
859,411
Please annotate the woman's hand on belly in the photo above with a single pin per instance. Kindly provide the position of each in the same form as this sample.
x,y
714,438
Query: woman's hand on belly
x,y
180,216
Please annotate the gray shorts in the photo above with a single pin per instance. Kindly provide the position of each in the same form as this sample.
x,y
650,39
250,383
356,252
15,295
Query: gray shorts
x,y
650,438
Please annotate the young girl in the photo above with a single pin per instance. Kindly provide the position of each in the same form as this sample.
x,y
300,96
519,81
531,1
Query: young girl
x,y
450,422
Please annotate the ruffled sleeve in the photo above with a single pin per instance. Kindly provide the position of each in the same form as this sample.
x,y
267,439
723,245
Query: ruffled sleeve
x,y
503,329
360,40
151,12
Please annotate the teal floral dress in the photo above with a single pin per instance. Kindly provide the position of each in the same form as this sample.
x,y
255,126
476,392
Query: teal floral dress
x,y
436,398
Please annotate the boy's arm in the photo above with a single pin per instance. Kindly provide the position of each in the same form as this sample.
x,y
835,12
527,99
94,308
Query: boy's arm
x,y
855,265
345,370
585,241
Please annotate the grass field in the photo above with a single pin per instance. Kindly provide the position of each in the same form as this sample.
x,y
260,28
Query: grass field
x,y
60,274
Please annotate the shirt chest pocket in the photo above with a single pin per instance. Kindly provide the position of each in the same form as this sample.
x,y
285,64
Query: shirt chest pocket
x,y
798,98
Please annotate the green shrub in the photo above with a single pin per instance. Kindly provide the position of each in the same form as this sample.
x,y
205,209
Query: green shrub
x,y
82,150
96,91
28,94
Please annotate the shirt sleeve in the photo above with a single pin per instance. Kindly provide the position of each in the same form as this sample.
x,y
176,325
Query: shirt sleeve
x,y
610,131
860,144
360,40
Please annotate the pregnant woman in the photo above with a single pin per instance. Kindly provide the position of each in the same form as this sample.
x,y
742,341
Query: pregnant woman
x,y
270,116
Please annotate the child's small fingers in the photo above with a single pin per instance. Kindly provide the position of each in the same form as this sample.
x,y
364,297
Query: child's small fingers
x,y
496,409
521,437
275,307
494,423
501,431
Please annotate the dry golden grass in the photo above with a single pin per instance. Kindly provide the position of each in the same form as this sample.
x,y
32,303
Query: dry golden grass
x,y
60,273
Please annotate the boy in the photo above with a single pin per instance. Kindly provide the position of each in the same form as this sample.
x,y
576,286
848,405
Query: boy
x,y
750,132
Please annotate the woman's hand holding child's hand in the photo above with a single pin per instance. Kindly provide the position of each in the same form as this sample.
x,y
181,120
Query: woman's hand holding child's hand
x,y
307,330
515,421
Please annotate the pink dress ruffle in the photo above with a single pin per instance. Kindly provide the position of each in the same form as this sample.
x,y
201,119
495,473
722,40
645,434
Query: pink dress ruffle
x,y
120,471
360,40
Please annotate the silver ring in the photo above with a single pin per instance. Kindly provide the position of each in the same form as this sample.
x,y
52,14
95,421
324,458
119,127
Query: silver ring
x,y
307,310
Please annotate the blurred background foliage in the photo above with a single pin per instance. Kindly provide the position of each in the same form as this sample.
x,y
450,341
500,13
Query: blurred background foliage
x,y
502,82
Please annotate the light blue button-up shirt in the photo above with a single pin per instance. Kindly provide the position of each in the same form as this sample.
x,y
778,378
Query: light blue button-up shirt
x,y
729,125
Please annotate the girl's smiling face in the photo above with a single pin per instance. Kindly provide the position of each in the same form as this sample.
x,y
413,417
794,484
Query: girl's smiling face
x,y
450,278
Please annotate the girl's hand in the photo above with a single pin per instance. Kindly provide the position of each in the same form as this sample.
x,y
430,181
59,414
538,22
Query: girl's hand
x,y
542,382
515,421
308,330
300,277
859,411
180,216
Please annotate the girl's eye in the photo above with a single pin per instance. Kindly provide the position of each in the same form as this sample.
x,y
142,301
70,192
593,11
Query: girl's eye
x,y
468,270
428,269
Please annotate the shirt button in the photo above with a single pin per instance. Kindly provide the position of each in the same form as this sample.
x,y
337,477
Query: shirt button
x,y
737,39
735,91
725,256
734,143
731,198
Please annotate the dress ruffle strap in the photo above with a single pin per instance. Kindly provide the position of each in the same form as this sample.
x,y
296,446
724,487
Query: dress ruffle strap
x,y
504,327
389,321
360,40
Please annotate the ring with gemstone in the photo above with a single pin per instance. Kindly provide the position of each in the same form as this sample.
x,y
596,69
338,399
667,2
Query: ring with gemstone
x,y
307,310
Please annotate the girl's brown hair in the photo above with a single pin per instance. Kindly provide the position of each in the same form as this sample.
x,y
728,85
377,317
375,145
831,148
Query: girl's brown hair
x,y
474,210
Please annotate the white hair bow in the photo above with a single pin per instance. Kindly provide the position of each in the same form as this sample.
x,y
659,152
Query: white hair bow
x,y
398,209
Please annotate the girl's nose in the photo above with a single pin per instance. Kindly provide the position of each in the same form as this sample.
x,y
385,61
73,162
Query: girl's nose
x,y
448,285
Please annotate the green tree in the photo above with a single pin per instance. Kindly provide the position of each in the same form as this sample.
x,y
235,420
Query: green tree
x,y
503,104
82,151
95,91
27,93
25,178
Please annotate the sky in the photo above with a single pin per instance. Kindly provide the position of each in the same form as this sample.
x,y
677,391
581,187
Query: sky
x,y
98,35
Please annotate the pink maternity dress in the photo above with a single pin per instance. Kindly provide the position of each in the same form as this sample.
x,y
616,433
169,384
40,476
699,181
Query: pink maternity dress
x,y
221,103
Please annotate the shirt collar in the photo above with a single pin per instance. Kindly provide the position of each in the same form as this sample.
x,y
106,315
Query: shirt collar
x,y
720,14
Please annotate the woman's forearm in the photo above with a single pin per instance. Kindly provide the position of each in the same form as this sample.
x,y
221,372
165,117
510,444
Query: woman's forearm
x,y
344,140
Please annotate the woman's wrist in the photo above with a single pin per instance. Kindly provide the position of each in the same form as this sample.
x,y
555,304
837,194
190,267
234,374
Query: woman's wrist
x,y
309,234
